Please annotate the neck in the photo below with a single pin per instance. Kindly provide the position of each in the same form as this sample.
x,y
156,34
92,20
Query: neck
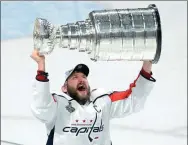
x,y
82,102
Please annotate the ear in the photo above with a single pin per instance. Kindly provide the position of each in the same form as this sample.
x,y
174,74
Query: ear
x,y
64,88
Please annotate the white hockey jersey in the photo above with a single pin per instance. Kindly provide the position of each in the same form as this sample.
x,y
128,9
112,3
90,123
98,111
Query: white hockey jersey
x,y
69,123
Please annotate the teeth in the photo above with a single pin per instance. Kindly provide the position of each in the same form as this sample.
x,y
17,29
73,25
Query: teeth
x,y
81,86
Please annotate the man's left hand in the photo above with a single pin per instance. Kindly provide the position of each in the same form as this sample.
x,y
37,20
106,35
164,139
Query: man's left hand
x,y
147,65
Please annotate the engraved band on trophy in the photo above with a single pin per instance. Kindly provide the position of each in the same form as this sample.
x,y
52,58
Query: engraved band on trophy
x,y
107,35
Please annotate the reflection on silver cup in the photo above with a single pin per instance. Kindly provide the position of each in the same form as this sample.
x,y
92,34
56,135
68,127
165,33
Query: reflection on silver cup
x,y
107,35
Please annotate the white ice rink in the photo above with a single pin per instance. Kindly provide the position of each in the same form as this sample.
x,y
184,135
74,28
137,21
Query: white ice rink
x,y
162,122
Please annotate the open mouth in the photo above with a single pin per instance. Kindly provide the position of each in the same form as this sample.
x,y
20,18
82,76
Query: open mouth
x,y
81,87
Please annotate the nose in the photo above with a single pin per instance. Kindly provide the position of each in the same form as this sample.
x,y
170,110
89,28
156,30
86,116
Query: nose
x,y
80,79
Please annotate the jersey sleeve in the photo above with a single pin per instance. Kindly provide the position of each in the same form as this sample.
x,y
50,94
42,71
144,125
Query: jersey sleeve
x,y
44,104
133,99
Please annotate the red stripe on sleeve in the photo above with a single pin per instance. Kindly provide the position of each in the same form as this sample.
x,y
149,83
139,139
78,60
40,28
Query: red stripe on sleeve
x,y
116,96
42,76
146,74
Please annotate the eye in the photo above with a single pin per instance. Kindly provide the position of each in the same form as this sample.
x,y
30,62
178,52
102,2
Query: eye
x,y
74,77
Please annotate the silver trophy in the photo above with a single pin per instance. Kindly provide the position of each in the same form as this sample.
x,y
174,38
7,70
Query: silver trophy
x,y
107,35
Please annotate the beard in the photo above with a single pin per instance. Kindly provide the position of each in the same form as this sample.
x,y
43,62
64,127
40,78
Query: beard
x,y
81,99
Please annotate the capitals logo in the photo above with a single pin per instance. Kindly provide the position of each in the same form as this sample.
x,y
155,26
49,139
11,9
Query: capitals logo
x,y
76,129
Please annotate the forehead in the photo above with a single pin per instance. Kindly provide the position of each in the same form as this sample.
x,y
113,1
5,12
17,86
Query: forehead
x,y
76,73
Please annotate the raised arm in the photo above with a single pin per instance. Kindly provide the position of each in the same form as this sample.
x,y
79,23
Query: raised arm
x,y
133,99
43,105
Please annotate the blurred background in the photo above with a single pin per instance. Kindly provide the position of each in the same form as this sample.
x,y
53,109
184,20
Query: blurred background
x,y
18,17
164,119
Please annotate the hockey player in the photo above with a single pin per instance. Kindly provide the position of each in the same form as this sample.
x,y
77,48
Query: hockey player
x,y
80,116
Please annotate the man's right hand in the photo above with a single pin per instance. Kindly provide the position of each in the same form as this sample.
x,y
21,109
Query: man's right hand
x,y
40,59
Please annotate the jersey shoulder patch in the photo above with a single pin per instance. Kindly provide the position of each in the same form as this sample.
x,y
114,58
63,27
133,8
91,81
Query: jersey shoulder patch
x,y
61,97
98,92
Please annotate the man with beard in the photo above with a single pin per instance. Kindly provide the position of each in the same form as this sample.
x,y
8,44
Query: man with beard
x,y
80,116
76,84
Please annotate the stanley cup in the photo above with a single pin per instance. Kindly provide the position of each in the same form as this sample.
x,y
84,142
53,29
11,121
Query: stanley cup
x,y
107,35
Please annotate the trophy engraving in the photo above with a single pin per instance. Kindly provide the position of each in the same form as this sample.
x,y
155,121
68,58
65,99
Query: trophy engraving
x,y
106,35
